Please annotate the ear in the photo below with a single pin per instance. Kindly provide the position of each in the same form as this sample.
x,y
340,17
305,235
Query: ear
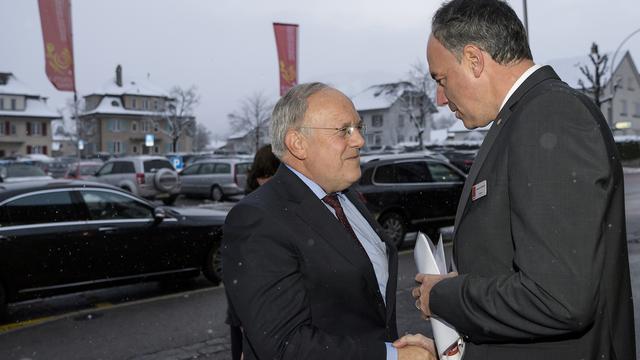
x,y
296,144
474,57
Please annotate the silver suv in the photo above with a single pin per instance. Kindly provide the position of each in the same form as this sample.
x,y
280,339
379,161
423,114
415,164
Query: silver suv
x,y
151,177
215,178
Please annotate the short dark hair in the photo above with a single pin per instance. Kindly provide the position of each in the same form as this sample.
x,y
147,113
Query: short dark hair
x,y
265,164
491,25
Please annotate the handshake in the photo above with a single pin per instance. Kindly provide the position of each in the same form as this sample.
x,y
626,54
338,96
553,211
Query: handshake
x,y
415,347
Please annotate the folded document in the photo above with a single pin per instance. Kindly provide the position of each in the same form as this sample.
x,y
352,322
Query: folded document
x,y
430,259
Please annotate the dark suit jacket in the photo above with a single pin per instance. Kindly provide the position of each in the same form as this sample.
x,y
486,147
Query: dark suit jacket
x,y
301,286
543,263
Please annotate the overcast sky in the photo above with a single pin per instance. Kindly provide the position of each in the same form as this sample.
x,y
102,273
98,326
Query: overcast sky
x,y
226,48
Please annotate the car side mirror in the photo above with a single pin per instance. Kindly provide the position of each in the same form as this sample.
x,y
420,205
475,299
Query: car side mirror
x,y
159,214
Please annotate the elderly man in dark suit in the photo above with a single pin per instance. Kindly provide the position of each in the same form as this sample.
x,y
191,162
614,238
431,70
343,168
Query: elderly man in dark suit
x,y
539,240
306,267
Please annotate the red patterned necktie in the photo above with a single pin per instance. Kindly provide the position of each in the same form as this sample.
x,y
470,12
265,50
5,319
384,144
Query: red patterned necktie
x,y
332,200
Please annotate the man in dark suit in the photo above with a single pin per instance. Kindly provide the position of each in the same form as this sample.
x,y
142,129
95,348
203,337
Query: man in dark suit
x,y
539,240
306,267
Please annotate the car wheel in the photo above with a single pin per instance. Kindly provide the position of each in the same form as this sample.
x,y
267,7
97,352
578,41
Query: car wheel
x,y
216,193
170,200
395,227
212,269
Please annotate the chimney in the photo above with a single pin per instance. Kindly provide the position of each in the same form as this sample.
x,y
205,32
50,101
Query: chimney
x,y
119,75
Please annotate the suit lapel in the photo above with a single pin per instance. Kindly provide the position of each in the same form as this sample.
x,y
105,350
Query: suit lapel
x,y
392,257
312,211
544,73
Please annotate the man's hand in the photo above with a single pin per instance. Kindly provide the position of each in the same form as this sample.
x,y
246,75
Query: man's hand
x,y
411,352
415,340
421,293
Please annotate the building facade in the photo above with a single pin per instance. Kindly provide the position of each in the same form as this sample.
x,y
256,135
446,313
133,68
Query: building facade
x,y
621,92
388,117
25,119
126,118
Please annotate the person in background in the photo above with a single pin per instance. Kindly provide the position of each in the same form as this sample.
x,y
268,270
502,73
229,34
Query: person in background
x,y
264,166
539,239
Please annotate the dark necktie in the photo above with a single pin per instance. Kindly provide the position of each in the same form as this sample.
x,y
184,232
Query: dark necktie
x,y
332,200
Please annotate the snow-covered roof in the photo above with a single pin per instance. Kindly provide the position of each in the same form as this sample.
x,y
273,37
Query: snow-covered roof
x,y
137,87
16,87
374,98
112,105
36,108
569,68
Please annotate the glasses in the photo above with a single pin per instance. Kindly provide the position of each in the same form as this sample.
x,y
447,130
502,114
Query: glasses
x,y
344,132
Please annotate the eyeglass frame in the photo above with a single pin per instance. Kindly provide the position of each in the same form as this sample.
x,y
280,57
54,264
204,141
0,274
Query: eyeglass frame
x,y
348,130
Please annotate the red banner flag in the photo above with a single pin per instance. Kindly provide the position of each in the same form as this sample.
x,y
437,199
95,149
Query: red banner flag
x,y
287,44
55,17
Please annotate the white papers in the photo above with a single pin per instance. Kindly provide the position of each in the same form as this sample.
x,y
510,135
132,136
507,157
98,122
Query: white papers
x,y
430,259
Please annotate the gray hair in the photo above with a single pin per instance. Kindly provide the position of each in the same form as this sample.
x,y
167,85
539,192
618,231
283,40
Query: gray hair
x,y
289,111
491,25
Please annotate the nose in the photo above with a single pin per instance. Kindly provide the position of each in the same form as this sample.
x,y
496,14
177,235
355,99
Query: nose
x,y
356,139
441,98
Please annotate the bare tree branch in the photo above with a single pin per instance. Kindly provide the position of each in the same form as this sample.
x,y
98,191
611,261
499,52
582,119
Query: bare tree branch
x,y
252,116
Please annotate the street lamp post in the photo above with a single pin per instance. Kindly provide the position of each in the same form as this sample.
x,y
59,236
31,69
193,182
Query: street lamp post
x,y
611,79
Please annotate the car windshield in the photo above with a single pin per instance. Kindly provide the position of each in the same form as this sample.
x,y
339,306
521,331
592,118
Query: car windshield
x,y
89,169
22,170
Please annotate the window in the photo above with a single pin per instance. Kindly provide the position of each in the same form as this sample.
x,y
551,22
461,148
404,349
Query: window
x,y
155,149
38,149
146,126
104,205
243,168
376,121
630,84
116,125
13,104
41,208
1,103
106,169
637,109
123,167
624,111
134,126
117,147
400,121
400,138
155,165
223,169
145,104
403,173
207,168
134,103
7,128
441,173
191,170
135,149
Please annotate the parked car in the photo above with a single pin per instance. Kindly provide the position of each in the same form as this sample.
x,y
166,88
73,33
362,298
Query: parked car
x,y
20,171
461,157
215,178
62,236
409,193
150,177
82,169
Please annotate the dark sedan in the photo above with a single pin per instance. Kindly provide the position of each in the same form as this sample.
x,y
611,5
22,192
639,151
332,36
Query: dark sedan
x,y
408,193
65,235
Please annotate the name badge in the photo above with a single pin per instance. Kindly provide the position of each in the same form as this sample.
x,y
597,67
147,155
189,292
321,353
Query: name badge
x,y
479,190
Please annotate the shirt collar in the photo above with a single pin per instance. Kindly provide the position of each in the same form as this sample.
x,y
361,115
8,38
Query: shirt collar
x,y
317,190
519,82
